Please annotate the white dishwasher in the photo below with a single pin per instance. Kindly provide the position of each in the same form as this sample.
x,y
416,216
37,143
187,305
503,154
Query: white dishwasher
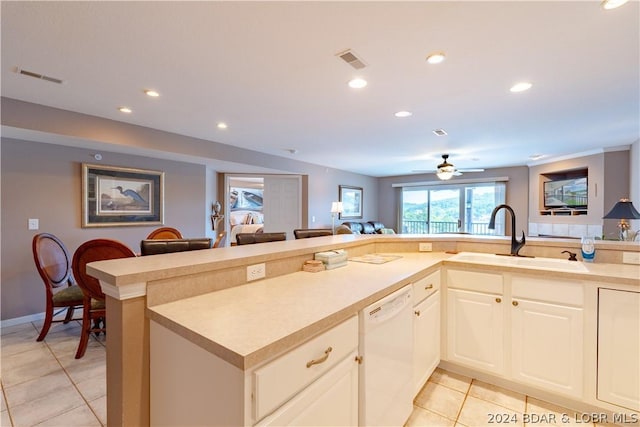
x,y
386,372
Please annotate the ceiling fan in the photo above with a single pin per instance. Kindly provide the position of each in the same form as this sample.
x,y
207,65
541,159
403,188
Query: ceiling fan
x,y
447,171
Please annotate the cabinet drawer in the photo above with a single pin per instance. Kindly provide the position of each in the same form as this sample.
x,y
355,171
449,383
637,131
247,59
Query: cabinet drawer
x,y
474,281
426,286
549,290
282,378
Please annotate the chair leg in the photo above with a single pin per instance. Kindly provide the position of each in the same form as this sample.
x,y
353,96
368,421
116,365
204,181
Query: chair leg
x,y
86,330
69,315
48,317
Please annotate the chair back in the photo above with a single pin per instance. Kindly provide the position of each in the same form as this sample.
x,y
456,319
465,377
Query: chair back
x,y
304,233
344,229
96,250
250,238
220,240
165,246
52,261
165,233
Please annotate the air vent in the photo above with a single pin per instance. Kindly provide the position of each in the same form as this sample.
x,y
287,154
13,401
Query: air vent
x,y
352,59
440,132
39,76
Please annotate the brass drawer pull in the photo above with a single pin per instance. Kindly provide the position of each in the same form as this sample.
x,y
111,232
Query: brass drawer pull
x,y
429,286
498,299
514,303
321,360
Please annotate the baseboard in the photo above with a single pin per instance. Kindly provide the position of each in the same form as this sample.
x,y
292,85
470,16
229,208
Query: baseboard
x,y
20,320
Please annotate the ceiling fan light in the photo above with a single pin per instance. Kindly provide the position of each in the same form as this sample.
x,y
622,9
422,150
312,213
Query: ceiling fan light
x,y
444,174
612,4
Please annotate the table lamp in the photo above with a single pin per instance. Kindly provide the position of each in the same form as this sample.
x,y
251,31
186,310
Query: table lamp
x,y
336,208
623,210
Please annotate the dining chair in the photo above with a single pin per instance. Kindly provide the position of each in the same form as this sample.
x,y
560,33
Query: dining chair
x,y
54,266
165,233
220,240
94,310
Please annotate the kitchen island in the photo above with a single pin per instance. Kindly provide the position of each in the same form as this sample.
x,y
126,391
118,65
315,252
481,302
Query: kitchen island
x,y
162,288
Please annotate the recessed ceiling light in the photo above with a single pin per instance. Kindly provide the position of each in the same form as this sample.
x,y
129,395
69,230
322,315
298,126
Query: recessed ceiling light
x,y
222,125
152,93
436,58
124,110
403,114
357,83
536,156
521,87
612,4
440,132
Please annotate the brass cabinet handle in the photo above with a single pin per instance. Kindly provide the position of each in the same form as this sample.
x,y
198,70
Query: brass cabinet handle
x,y
417,312
429,286
514,303
359,360
498,299
321,360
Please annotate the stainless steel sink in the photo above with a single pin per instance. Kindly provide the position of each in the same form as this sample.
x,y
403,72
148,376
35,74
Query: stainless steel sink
x,y
540,263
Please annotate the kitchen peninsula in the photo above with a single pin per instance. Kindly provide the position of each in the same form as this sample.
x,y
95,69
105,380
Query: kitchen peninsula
x,y
169,289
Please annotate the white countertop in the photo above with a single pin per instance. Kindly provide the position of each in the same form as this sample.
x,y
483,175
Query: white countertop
x,y
248,324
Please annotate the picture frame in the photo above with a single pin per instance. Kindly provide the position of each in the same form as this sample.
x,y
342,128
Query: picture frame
x,y
351,198
117,196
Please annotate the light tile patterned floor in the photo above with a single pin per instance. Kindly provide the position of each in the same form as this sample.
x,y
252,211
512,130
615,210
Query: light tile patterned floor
x,y
449,399
44,385
42,382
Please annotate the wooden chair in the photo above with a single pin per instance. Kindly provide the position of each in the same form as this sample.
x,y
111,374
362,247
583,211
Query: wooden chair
x,y
165,233
94,310
220,240
54,266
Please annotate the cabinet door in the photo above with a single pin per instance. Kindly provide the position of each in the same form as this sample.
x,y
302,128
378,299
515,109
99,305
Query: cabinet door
x,y
426,335
619,348
475,329
547,346
332,400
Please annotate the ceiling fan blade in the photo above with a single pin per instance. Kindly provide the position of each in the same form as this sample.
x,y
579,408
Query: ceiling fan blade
x,y
470,170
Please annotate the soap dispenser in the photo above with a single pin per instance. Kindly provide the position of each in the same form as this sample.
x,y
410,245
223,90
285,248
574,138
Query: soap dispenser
x,y
588,249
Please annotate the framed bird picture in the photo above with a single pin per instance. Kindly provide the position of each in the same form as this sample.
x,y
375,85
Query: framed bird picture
x,y
114,196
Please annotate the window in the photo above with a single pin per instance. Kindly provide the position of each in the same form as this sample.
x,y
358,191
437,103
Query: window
x,y
452,208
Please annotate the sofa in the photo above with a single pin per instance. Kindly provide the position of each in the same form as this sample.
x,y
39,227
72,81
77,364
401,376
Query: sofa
x,y
369,227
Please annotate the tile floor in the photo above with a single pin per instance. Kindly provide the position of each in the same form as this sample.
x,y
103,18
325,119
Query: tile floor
x,y
44,385
42,382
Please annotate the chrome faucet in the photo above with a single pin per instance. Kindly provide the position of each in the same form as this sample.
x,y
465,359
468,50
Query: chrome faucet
x,y
516,245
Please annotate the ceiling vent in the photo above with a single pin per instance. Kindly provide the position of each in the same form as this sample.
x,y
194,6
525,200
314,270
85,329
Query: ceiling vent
x,y
39,76
440,132
350,58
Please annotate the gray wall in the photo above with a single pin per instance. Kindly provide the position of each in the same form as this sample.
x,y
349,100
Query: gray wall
x,y
516,197
41,178
43,181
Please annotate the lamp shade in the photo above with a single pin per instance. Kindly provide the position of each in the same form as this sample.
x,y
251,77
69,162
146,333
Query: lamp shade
x,y
336,207
623,210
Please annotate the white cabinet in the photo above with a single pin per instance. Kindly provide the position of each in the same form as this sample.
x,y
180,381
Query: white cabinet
x,y
475,320
619,347
315,383
332,400
426,329
547,334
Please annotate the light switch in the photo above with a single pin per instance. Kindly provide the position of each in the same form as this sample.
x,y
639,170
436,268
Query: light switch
x,y
34,223
313,218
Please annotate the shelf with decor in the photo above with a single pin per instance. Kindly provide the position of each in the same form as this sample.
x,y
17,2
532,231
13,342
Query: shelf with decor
x,y
563,212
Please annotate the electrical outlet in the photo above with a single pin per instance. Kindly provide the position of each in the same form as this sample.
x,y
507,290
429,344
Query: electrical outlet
x,y
256,271
34,224
425,247
631,257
